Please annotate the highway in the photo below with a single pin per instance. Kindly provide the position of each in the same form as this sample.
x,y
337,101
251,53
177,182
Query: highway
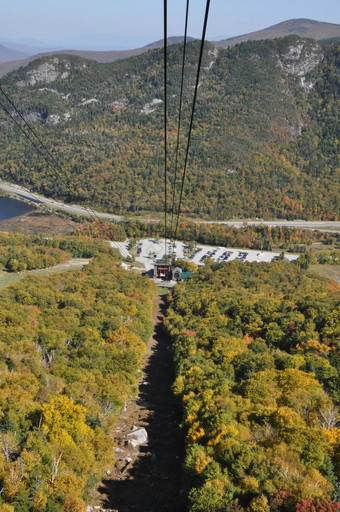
x,y
321,225
23,193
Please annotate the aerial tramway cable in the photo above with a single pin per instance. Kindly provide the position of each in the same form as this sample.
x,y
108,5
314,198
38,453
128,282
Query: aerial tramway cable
x,y
192,113
179,117
68,183
165,48
59,172
33,143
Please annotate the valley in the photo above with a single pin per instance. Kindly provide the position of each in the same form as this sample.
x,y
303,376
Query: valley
x,y
263,146
21,192
151,363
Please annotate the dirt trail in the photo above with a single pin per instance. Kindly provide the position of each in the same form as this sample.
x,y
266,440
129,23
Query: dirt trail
x,y
152,481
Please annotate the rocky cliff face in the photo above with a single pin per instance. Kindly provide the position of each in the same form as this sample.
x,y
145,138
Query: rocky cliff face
x,y
47,72
72,94
300,59
265,127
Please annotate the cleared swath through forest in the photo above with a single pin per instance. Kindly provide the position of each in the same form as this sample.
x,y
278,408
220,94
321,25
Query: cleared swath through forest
x,y
153,481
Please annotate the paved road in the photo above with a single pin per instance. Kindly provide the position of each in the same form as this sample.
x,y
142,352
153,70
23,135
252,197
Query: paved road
x,y
21,192
304,224
80,210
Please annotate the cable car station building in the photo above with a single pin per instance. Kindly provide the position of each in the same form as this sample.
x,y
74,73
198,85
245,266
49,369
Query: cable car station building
x,y
162,270
166,272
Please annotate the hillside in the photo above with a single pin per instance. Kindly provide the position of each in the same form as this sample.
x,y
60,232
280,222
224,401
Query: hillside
x,y
264,142
111,56
69,359
256,349
302,27
317,30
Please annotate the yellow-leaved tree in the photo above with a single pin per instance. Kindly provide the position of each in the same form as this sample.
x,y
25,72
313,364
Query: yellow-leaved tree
x,y
64,421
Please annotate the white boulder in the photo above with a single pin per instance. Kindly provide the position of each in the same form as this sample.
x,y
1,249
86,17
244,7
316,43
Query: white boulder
x,y
138,437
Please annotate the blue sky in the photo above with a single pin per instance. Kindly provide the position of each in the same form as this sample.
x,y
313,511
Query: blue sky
x,y
99,24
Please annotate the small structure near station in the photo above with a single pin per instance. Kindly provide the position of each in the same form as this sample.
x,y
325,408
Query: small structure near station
x,y
177,274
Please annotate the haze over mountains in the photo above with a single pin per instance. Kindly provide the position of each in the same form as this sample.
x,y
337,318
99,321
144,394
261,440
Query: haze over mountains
x,y
23,49
9,54
11,58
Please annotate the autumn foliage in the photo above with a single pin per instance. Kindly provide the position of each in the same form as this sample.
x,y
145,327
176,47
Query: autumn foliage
x,y
259,386
71,348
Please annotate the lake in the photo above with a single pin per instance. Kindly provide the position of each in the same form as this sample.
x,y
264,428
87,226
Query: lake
x,y
10,208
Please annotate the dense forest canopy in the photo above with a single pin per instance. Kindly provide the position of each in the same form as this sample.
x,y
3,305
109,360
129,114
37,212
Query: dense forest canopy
x,y
71,348
256,349
20,252
265,141
256,346
249,236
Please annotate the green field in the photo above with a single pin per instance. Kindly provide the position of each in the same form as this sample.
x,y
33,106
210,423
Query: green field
x,y
330,271
8,278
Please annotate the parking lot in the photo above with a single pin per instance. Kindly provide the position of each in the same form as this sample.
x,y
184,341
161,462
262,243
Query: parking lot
x,y
149,250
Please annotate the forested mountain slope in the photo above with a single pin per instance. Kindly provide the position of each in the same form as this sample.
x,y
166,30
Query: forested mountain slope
x,y
256,350
265,139
71,353
317,30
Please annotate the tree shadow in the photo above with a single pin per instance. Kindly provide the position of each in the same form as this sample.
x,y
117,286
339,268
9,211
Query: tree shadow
x,y
155,483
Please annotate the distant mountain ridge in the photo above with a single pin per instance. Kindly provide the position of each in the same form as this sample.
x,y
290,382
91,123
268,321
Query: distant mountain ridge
x,y
301,27
7,54
98,56
265,140
317,30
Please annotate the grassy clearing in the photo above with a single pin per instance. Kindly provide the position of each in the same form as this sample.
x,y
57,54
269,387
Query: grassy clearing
x,y
330,271
8,278
135,264
163,291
